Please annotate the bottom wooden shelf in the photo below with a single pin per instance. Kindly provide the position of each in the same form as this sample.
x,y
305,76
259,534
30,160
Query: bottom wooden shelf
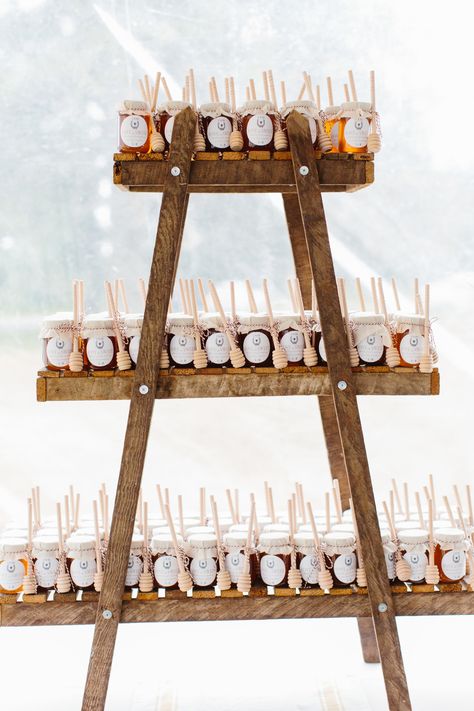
x,y
258,606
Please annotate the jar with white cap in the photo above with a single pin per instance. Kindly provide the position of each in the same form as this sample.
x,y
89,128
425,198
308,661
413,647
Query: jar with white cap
x,y
355,117
165,116
216,342
409,337
257,344
135,562
134,125
290,335
450,554
259,124
57,335
339,549
81,561
389,551
371,337
133,328
413,545
234,545
333,126
306,558
45,557
275,559
100,343
309,110
165,564
13,564
202,553
181,340
216,119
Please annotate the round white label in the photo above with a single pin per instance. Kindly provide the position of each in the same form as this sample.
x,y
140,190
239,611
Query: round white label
x,y
100,351
411,348
134,131
293,343
345,567
309,569
371,348
322,349
203,571
453,565
134,568
169,129
82,572
390,563
182,349
12,573
260,130
166,571
313,129
272,569
417,562
133,346
256,347
46,570
217,348
334,135
356,132
218,132
58,350
234,563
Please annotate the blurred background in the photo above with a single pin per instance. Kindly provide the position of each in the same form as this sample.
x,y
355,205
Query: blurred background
x,y
66,68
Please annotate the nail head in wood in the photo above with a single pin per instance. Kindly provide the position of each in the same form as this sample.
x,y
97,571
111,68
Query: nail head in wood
x,y
342,385
143,389
383,607
175,171
304,170
107,615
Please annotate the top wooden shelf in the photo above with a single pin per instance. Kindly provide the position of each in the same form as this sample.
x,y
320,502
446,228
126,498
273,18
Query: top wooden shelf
x,y
260,172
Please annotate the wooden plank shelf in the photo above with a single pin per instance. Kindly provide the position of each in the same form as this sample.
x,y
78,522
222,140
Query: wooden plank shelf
x,y
244,382
211,173
258,606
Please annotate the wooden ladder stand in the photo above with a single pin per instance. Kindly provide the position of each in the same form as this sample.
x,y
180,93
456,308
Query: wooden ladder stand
x,y
339,411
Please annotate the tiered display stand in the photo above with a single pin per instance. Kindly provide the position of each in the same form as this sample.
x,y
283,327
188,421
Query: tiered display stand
x,y
301,176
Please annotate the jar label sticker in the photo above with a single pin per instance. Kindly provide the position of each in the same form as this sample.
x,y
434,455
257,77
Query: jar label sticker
x,y
260,130
134,568
272,569
417,562
293,343
356,132
390,563
371,348
12,573
134,131
234,563
166,571
345,567
256,347
313,129
133,346
218,132
46,570
100,351
411,348
82,572
322,350
217,348
182,349
334,135
169,129
453,565
203,571
309,569
58,350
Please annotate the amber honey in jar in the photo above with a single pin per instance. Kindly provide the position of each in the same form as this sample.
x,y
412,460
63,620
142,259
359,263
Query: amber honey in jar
x,y
414,548
309,110
339,549
134,127
57,335
202,553
216,120
306,558
274,550
216,342
290,336
165,116
258,125
100,344
181,341
165,563
133,327
355,119
81,561
13,564
450,554
234,546
333,126
409,337
257,344
371,337
45,556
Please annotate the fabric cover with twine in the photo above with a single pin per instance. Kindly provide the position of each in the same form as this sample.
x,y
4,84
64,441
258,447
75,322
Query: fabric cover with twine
x,y
172,107
276,528
181,324
47,547
215,109
235,541
133,324
339,543
12,549
251,108
96,325
276,543
414,540
451,539
80,548
162,544
252,322
305,107
134,108
365,324
136,546
202,546
355,109
330,112
56,325
304,543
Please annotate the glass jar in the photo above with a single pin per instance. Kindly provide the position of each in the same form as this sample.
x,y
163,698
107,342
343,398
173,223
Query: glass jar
x,y
100,344
258,125
274,549
216,342
13,565
181,343
133,328
134,127
81,561
257,344
234,546
165,564
56,333
135,562
371,337
309,110
217,125
450,554
306,558
414,546
409,337
45,557
339,549
165,116
333,126
389,551
290,336
355,120
202,553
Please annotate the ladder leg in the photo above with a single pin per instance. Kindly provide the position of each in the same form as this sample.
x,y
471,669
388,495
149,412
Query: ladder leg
x,y
368,640
162,275
347,411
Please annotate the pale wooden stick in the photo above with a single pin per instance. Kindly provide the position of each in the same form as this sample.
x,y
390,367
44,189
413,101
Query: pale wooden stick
x,y
314,301
383,303
72,500
457,497
202,505
143,291
313,526
253,510
143,93
253,94
231,506
469,505
102,506
272,505
283,92
392,504
112,314
272,88
149,92
123,295
187,93
292,296
212,95
430,532
346,93
233,105
266,88
318,97
160,500
30,523
202,295
227,91
247,94
291,517
76,511
38,504
193,88
35,508
184,302
81,297
220,310
406,500
309,88
217,527
145,525
67,515
416,294
421,520
334,496
180,515
75,309
397,497
337,499
237,505
60,528
327,510
97,537
106,522
214,84
267,500
330,94
233,309
174,538
251,298
299,301
450,512
374,295
139,510
352,85
195,316
324,576
360,294
167,91
302,91
433,494
395,294
372,89
299,490
156,89
393,533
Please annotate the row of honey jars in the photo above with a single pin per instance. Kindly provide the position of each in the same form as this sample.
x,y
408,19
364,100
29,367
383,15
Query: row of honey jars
x,y
449,553
409,338
348,126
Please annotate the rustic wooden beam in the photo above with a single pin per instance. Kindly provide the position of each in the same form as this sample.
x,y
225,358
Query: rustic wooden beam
x,y
368,640
332,437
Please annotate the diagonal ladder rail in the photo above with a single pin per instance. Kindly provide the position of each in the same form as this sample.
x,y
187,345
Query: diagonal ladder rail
x,y
347,411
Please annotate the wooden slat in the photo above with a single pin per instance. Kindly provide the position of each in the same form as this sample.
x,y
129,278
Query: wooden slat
x,y
368,640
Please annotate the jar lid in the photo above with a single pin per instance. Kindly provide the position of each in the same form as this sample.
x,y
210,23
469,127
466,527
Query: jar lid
x,y
354,105
304,539
45,544
409,319
99,320
239,528
202,540
302,103
80,544
214,107
172,106
330,110
88,531
274,539
133,105
15,533
276,528
341,539
250,320
136,546
12,546
62,318
161,531
368,317
405,525
415,535
159,523
256,105
346,527
133,320
164,541
235,539
449,535
179,319
199,530
306,527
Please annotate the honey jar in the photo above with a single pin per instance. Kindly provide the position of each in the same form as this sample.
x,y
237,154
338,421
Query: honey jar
x,y
165,564
274,549
57,333
409,337
257,344
355,120
371,337
258,125
100,344
333,126
290,336
81,561
414,546
216,120
45,556
13,564
306,558
134,127
389,551
165,116
181,343
234,546
202,553
339,549
135,562
216,342
133,328
308,110
450,554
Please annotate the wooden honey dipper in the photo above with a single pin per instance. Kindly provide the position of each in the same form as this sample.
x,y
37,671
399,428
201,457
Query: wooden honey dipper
x,y
236,140
146,580
374,142
200,355
63,579
123,359
432,571
353,352
76,361
324,140
244,583
392,356
223,576
199,140
237,358
310,356
99,574
29,579
157,143
426,362
325,579
280,139
295,581
279,357
361,575
185,581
